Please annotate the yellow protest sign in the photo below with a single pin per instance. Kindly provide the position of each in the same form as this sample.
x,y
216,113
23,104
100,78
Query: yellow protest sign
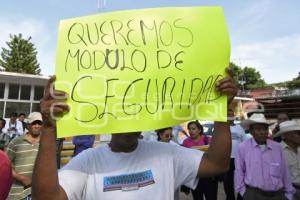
x,y
141,69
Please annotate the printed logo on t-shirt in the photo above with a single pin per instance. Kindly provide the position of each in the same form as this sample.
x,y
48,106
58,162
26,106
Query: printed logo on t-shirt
x,y
128,182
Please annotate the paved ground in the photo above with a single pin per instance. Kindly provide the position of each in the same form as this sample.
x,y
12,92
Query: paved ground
x,y
221,194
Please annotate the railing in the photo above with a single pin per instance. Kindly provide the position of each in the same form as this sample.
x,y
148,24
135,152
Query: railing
x,y
275,93
294,92
282,93
243,93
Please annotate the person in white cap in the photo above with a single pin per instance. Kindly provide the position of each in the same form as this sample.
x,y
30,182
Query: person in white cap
x,y
290,133
281,117
22,152
261,171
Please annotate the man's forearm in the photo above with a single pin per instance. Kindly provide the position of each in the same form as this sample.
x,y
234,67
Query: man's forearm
x,y
220,147
45,179
19,177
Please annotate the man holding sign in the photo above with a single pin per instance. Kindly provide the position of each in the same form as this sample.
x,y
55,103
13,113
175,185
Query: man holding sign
x,y
127,168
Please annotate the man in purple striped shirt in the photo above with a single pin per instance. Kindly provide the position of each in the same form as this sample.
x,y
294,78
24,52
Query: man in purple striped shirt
x,y
261,170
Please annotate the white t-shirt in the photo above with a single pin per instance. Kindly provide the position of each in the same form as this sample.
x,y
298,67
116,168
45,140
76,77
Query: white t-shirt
x,y
18,126
238,136
172,142
152,171
149,136
105,137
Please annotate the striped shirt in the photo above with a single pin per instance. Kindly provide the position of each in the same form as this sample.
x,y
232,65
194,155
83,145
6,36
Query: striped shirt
x,y
22,154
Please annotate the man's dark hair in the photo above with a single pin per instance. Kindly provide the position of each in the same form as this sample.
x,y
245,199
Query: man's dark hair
x,y
3,121
14,114
21,114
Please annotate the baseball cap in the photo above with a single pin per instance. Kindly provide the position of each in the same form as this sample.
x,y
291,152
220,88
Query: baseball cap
x,y
34,116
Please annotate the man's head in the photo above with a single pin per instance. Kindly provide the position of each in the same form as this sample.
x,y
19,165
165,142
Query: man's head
x,y
292,137
290,132
35,123
13,117
125,141
22,117
258,127
282,117
260,132
2,123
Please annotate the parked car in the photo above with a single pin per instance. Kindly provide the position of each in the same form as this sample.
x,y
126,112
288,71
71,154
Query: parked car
x,y
208,127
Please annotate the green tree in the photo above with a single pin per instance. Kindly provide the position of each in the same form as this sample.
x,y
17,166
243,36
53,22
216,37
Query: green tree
x,y
237,72
20,56
253,78
247,77
295,83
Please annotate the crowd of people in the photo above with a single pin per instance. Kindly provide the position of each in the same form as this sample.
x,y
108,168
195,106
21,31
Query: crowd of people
x,y
255,165
20,141
262,166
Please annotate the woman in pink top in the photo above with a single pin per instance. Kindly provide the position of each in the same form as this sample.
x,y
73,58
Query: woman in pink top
x,y
196,135
207,187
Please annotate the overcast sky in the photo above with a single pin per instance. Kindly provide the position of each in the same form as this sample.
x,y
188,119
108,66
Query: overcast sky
x,y
264,34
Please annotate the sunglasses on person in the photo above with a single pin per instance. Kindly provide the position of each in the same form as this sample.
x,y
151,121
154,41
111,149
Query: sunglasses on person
x,y
168,136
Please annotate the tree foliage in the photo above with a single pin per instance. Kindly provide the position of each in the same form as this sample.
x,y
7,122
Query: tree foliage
x,y
247,77
291,84
295,83
20,56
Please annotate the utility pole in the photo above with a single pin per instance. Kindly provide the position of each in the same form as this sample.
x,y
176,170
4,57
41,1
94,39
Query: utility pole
x,y
101,5
242,79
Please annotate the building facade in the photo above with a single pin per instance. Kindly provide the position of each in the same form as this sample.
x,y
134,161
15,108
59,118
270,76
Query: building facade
x,y
20,93
272,101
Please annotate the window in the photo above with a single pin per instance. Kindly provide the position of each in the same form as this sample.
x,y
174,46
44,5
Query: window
x,y
17,107
25,92
1,108
38,92
13,92
2,88
35,107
